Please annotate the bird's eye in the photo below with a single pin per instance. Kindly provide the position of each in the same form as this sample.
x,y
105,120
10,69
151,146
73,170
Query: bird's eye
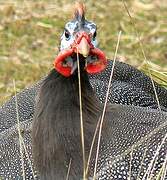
x,y
94,35
67,35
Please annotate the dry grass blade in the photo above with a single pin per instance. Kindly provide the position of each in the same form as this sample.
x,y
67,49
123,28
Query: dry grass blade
x,y
151,165
81,117
159,75
28,157
138,143
68,171
145,150
142,49
156,95
91,148
159,175
150,168
105,104
164,169
19,132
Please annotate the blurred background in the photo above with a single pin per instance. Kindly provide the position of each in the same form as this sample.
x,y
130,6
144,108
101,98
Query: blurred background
x,y
30,32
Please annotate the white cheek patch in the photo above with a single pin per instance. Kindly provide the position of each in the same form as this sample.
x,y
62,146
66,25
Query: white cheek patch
x,y
65,44
72,27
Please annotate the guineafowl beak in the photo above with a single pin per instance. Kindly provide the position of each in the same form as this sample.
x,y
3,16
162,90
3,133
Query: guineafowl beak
x,y
84,47
82,43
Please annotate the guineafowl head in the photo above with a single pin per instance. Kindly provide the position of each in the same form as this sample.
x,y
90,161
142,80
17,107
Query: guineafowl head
x,y
79,40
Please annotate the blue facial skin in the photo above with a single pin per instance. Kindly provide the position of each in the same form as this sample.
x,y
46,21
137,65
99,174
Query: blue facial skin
x,y
71,29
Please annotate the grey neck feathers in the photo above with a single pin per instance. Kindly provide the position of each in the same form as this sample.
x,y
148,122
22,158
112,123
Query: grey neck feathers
x,y
56,125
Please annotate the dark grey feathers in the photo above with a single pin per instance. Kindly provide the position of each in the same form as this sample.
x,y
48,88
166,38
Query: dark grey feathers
x,y
136,133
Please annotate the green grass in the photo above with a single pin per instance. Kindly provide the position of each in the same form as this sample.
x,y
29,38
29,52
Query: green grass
x,y
30,31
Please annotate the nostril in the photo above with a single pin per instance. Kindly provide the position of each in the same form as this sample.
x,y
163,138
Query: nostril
x,y
90,35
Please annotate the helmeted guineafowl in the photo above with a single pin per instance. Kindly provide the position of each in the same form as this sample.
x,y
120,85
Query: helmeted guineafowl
x,y
128,132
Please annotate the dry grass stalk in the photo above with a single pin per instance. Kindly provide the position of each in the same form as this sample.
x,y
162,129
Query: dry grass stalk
x,y
81,117
68,171
149,171
19,132
105,104
92,144
143,52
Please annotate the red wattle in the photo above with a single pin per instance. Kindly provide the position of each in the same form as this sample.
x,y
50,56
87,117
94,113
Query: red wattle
x,y
101,63
65,71
91,68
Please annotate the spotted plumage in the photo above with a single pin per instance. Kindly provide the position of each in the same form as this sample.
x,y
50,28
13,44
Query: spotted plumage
x,y
129,86
142,134
131,135
128,141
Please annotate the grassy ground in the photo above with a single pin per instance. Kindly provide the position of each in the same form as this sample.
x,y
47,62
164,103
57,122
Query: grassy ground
x,y
30,31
